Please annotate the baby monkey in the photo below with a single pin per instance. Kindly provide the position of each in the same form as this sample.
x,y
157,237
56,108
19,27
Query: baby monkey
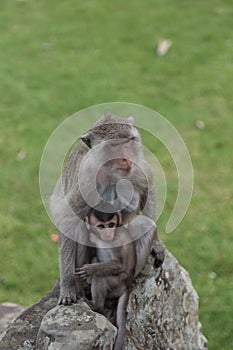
x,y
113,267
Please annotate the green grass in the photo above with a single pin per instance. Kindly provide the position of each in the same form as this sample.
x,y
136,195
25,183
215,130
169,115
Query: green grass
x,y
57,57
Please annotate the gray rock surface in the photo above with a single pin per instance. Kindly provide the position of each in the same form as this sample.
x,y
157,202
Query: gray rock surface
x,y
163,310
8,312
75,327
162,315
22,333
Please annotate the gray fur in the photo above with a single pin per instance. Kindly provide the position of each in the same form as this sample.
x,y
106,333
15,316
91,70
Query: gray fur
x,y
68,207
112,276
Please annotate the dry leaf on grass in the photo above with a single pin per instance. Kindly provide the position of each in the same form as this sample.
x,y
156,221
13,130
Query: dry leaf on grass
x,y
163,47
21,154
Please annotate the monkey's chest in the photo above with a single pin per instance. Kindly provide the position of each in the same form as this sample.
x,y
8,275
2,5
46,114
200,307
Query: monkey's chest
x,y
105,254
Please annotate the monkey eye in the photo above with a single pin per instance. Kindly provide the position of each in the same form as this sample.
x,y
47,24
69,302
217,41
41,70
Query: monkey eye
x,y
133,138
101,226
111,225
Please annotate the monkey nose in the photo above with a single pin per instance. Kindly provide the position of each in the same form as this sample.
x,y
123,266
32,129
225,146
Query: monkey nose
x,y
124,162
108,234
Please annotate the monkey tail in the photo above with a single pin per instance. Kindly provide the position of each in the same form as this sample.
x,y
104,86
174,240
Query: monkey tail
x,y
121,319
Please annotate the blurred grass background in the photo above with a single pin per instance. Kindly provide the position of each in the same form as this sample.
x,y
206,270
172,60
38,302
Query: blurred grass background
x,y
57,57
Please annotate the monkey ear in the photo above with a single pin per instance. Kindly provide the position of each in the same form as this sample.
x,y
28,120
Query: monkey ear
x,y
131,119
86,220
119,217
86,139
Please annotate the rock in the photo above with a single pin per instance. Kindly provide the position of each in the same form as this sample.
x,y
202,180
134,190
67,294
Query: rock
x,y
162,314
75,327
163,310
22,333
8,311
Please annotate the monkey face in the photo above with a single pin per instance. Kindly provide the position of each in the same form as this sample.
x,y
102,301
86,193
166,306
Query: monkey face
x,y
106,233
105,230
123,155
116,145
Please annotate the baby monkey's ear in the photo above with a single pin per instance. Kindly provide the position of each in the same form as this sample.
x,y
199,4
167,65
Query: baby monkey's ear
x,y
86,220
119,218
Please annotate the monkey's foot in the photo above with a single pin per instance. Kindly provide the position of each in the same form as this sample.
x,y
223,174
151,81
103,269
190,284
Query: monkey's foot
x,y
67,300
158,253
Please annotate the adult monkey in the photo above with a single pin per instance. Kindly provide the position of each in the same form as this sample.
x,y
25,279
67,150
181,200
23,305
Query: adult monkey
x,y
109,153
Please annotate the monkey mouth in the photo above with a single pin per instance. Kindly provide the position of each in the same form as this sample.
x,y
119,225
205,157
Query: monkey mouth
x,y
124,170
108,239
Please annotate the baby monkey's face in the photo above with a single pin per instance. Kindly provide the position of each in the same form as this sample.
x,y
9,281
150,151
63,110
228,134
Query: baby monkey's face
x,y
105,230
